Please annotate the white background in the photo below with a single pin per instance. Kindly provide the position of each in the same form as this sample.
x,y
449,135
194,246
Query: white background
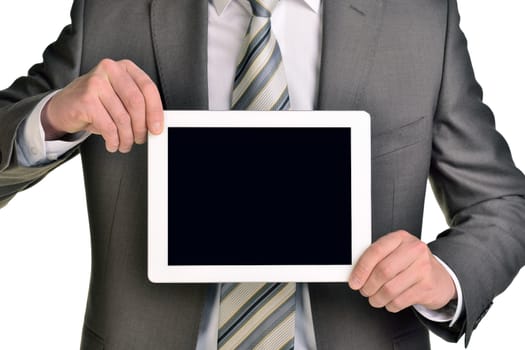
x,y
44,235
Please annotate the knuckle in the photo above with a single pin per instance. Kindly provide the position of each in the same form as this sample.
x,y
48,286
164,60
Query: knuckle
x,y
385,271
94,83
377,250
404,233
106,63
397,304
93,80
361,271
121,118
135,101
420,247
126,61
389,290
150,89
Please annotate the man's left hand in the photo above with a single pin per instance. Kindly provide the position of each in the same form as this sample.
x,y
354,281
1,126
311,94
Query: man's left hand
x,y
398,271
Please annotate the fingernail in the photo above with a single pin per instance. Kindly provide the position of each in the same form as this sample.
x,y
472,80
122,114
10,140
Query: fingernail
x,y
354,282
156,128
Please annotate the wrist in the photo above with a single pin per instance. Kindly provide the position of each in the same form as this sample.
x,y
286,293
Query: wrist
x,y
51,132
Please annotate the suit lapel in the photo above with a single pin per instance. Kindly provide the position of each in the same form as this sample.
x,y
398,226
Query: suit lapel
x,y
350,31
180,31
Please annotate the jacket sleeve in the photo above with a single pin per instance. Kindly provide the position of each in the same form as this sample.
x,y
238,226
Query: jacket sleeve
x,y
61,64
478,187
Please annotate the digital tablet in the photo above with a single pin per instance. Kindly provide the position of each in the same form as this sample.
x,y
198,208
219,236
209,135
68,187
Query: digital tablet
x,y
245,196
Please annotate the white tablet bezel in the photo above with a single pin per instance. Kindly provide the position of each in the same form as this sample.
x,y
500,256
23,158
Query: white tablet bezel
x,y
158,269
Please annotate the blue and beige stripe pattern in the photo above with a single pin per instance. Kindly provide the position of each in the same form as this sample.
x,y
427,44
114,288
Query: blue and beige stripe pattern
x,y
257,316
260,80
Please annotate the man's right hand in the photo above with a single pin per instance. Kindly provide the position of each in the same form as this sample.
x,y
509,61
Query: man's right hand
x,y
116,99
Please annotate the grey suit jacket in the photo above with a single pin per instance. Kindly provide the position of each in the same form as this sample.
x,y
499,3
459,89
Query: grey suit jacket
x,y
404,61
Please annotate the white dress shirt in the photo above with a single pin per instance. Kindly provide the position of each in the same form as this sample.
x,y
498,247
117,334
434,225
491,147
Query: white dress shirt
x,y
297,25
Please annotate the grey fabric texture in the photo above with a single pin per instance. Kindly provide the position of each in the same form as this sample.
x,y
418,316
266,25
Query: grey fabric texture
x,y
403,61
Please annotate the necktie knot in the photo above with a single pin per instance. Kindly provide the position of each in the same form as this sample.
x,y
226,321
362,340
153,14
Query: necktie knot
x,y
263,8
260,79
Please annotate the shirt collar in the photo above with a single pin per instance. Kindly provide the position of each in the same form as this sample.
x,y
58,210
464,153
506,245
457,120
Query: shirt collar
x,y
221,5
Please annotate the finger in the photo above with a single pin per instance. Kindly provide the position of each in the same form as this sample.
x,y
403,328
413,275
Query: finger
x,y
154,110
133,121
120,116
392,265
103,124
394,288
371,257
406,299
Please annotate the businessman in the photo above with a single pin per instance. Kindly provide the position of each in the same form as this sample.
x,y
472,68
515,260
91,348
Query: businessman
x,y
369,49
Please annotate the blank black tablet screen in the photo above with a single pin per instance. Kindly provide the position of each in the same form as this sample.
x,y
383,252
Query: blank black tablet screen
x,y
259,196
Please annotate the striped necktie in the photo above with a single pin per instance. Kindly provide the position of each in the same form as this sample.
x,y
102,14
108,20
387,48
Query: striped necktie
x,y
258,316
260,80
